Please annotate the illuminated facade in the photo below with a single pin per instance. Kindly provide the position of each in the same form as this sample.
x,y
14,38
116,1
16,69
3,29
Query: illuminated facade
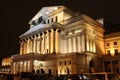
x,y
6,64
60,41
112,50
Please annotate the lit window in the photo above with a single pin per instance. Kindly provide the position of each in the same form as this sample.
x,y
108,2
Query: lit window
x,y
107,44
116,51
115,43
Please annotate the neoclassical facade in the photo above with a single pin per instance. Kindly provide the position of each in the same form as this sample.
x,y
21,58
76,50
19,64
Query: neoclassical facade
x,y
60,41
112,50
6,65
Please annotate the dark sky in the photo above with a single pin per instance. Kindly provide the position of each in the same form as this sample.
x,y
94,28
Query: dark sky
x,y
15,15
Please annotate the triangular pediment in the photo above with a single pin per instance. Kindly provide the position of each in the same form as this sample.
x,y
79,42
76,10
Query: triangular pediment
x,y
46,12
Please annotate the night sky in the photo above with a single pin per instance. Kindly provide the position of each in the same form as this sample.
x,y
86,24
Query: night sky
x,y
15,15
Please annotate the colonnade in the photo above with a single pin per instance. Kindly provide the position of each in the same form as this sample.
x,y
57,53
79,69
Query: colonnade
x,y
22,66
73,44
43,43
91,44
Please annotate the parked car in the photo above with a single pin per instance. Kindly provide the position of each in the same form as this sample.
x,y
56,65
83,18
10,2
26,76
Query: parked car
x,y
23,76
73,77
6,76
104,76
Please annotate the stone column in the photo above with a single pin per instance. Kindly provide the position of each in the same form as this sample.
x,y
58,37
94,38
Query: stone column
x,y
79,44
45,50
83,42
14,64
58,42
72,44
34,44
69,40
91,44
40,43
54,38
49,40
30,44
76,43
31,65
27,45
26,66
67,45
24,46
18,66
94,45
87,43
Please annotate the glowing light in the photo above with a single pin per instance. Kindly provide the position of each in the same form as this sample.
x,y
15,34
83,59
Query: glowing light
x,y
112,52
35,61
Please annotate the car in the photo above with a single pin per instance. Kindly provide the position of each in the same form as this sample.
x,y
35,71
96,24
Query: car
x,y
72,77
6,76
104,76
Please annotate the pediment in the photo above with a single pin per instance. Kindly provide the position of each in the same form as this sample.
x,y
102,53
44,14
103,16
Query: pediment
x,y
46,12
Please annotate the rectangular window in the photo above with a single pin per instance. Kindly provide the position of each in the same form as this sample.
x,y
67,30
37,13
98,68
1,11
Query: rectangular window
x,y
115,43
60,63
108,52
108,44
116,51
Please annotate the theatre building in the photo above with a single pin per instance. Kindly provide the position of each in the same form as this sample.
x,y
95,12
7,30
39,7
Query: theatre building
x,y
60,41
